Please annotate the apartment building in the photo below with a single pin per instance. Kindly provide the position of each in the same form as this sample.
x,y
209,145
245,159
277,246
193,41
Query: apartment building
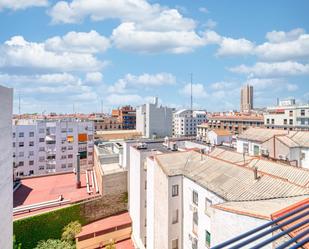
x,y
291,147
127,116
154,121
185,122
6,172
234,122
105,123
43,146
198,200
246,98
287,115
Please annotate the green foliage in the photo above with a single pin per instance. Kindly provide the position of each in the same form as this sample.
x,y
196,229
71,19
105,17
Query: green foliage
x,y
29,231
15,244
125,197
54,244
111,245
70,230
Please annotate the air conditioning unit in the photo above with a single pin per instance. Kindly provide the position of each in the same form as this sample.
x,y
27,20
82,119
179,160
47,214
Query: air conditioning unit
x,y
282,157
264,152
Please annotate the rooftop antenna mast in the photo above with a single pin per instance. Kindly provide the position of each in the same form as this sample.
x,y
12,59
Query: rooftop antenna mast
x,y
191,104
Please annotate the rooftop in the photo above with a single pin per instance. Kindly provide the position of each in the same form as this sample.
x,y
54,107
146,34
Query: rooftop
x,y
221,132
228,180
260,134
237,117
39,189
296,139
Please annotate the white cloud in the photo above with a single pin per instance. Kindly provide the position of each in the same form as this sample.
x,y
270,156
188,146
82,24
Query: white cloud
x,y
263,69
94,77
285,48
19,53
275,84
198,90
148,16
230,46
222,85
127,36
143,80
210,24
203,10
120,99
79,42
22,4
281,36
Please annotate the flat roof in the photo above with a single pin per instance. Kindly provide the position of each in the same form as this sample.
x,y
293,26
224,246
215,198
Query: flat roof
x,y
111,168
49,187
106,223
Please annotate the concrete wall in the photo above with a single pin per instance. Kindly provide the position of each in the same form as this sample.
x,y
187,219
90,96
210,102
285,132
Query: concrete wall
x,y
114,183
227,225
6,169
204,219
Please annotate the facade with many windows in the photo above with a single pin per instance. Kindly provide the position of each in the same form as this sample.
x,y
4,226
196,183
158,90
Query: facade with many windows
x,y
185,122
42,146
287,115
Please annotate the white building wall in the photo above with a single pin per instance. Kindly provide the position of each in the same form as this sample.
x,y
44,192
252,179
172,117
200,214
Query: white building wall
x,y
305,159
228,225
204,218
6,171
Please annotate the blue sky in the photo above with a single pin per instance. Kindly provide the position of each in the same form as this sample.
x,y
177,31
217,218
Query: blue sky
x,y
57,54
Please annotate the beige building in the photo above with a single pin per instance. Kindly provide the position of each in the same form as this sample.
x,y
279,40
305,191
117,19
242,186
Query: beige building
x,y
246,98
290,147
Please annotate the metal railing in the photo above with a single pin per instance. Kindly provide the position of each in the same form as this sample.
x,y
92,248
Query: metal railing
x,y
296,218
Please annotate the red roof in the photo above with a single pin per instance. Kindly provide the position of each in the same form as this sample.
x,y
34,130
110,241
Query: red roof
x,y
125,244
46,188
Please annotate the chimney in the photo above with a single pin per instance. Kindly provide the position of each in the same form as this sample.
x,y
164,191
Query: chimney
x,y
78,183
155,101
255,171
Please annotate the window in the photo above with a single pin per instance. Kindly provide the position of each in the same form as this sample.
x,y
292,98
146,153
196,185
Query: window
x,y
21,134
21,154
175,190
63,156
291,121
63,166
14,134
208,203
21,144
195,223
13,144
195,197
31,153
41,130
31,143
31,134
291,113
31,172
41,167
207,238
285,121
41,159
31,163
21,163
41,139
194,243
175,244
70,165
175,217
41,149
70,147
272,121
302,112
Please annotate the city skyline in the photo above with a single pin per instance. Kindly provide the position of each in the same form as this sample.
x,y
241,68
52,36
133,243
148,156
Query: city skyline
x,y
59,54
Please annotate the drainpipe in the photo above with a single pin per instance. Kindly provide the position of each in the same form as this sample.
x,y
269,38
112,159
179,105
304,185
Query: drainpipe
x,y
78,183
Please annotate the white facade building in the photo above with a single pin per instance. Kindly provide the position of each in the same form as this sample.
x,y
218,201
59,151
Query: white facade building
x,y
154,121
185,122
287,115
43,146
199,200
6,171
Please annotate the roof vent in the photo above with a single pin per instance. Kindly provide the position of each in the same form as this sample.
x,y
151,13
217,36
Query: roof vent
x,y
255,171
141,146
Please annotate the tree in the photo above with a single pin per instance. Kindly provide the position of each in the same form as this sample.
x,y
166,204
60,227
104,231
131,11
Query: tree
x,y
54,244
70,231
15,244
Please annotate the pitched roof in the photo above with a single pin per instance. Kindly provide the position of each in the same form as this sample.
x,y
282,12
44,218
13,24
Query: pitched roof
x,y
260,134
301,138
230,181
221,132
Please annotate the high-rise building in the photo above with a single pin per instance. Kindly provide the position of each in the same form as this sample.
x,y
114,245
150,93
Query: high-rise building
x,y
48,146
6,171
153,120
246,98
